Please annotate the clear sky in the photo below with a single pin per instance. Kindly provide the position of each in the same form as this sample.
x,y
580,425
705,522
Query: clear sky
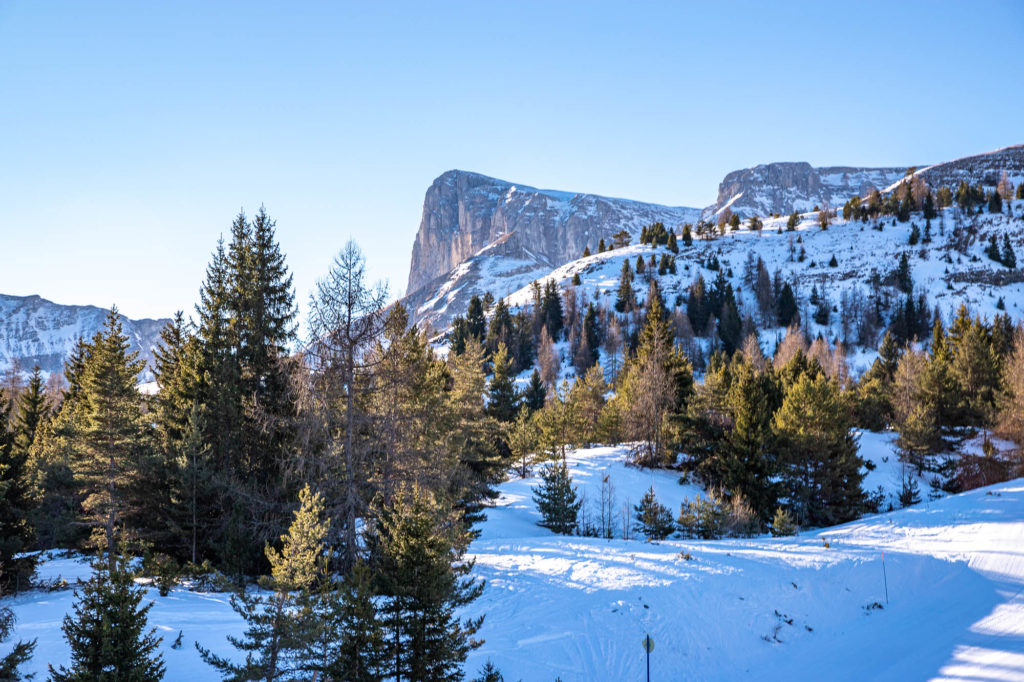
x,y
131,133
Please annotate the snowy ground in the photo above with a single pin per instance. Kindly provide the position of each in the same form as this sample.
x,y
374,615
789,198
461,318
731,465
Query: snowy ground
x,y
771,609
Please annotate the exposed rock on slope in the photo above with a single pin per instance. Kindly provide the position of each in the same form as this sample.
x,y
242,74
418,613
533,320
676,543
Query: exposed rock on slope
x,y
784,187
34,331
464,213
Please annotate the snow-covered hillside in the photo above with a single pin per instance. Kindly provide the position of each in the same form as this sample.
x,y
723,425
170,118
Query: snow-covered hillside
x,y
35,331
864,258
767,608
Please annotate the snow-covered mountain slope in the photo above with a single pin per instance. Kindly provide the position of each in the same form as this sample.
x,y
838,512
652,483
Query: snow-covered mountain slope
x,y
480,235
865,257
763,608
985,168
35,331
781,188
472,216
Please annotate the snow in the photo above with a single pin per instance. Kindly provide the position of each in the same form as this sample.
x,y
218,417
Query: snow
x,y
771,608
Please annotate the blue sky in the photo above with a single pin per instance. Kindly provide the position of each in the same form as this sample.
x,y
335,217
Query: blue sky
x,y
131,133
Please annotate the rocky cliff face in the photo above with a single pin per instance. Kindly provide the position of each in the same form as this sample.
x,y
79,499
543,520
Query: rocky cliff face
x,y
465,213
34,331
784,187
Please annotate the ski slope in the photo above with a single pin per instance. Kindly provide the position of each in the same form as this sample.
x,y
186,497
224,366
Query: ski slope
x,y
762,608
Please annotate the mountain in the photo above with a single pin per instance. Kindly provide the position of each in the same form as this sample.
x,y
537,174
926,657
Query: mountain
x,y
475,227
785,187
481,235
35,331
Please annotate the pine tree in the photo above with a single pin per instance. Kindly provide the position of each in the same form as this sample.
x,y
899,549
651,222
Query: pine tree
x,y
672,244
793,221
551,305
502,396
20,653
600,246
818,452
16,505
276,638
654,519
687,236
556,499
746,462
107,630
586,251
418,547
783,524
995,203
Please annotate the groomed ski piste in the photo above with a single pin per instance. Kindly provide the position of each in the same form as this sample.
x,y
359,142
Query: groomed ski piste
x,y
948,604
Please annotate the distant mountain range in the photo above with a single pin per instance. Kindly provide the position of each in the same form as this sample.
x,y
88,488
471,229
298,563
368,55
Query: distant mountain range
x,y
35,331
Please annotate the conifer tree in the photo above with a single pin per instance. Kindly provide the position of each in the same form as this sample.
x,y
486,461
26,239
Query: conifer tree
x,y
535,394
277,637
1008,257
786,309
600,246
107,629
342,632
820,465
418,545
793,221
113,442
747,461
16,505
557,500
19,654
625,298
653,518
346,321
586,251
475,437
687,236
904,282
502,396
33,409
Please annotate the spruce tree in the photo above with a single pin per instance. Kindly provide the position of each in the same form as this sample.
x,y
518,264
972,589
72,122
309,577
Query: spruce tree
x,y
785,308
1008,256
793,221
113,444
33,409
107,630
687,236
653,519
502,396
16,505
20,653
556,499
344,638
417,547
625,298
535,394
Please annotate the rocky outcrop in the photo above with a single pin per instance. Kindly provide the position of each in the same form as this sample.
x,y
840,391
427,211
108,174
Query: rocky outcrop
x,y
465,213
784,187
34,331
